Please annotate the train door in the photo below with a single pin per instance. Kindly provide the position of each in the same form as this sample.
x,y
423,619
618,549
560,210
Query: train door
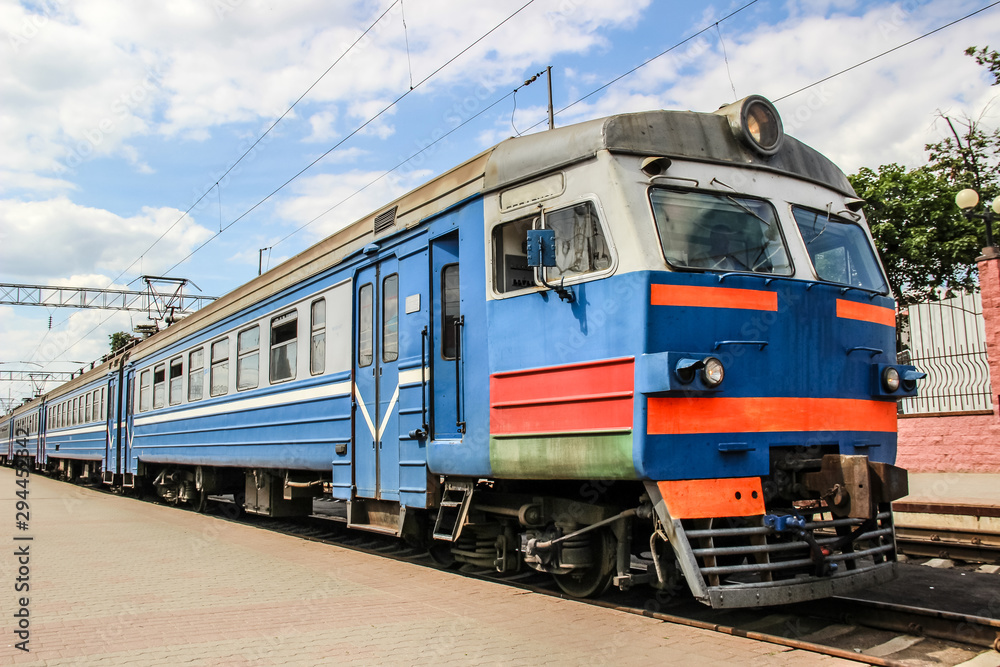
x,y
40,427
376,381
113,418
446,350
124,454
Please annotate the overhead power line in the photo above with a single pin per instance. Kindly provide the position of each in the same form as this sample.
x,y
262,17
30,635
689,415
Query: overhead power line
x,y
314,162
884,53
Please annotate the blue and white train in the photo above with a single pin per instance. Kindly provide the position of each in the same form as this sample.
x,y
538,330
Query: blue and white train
x,y
645,349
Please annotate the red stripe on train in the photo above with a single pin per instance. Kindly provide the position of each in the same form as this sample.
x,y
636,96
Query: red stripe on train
x,y
589,396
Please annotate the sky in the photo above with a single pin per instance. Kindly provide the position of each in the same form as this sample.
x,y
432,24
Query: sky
x,y
122,124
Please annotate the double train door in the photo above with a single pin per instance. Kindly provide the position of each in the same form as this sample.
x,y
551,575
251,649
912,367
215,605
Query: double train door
x,y
118,468
376,381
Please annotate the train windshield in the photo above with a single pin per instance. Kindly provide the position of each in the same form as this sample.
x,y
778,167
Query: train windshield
x,y
715,232
839,250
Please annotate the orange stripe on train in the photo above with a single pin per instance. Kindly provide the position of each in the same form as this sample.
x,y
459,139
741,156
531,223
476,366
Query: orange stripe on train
x,y
712,297
866,312
686,415
709,498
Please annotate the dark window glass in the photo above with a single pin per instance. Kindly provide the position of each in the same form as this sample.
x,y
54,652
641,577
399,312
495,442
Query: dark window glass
x,y
176,381
580,247
390,318
840,250
450,312
365,340
284,332
317,339
159,385
719,232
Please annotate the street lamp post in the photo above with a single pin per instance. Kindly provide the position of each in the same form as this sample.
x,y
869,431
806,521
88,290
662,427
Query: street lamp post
x,y
967,200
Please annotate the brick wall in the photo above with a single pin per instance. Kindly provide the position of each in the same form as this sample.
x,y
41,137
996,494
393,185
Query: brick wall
x,y
970,442
957,443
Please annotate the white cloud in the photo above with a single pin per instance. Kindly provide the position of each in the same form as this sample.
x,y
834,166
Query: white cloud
x,y
42,241
322,125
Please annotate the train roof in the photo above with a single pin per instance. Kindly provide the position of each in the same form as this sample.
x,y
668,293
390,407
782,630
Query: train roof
x,y
682,135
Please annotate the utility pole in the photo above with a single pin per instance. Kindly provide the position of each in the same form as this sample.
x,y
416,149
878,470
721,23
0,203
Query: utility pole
x,y
552,118
260,261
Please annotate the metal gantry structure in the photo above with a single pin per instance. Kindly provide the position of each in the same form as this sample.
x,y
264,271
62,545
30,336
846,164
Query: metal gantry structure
x,y
162,300
163,297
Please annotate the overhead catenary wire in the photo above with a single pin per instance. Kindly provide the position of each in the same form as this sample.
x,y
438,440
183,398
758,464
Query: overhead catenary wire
x,y
217,184
318,159
563,109
358,129
884,53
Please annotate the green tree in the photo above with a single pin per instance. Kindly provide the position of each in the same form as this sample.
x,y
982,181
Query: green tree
x,y
988,58
119,340
924,241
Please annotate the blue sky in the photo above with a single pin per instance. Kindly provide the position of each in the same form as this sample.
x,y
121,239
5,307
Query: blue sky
x,y
116,117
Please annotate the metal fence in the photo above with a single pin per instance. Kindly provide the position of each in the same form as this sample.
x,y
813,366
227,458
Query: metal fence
x,y
947,340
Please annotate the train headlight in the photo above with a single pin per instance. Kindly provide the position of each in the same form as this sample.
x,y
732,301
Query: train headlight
x,y
713,372
890,379
756,123
708,370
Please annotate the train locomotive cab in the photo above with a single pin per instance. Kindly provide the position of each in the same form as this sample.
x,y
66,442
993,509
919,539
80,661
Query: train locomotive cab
x,y
691,310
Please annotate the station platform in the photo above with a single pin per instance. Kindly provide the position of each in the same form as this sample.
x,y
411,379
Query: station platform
x,y
116,581
954,487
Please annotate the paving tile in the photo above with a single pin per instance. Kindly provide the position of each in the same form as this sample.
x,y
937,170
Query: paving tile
x,y
120,582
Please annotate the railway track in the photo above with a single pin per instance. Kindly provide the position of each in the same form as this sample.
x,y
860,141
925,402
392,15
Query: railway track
x,y
960,531
877,633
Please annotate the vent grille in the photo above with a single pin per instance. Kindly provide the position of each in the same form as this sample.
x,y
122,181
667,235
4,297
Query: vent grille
x,y
385,220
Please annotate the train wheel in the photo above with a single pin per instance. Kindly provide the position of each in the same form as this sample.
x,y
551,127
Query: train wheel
x,y
594,580
200,501
441,555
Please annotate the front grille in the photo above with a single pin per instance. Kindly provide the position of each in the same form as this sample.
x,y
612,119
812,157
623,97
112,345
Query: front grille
x,y
749,554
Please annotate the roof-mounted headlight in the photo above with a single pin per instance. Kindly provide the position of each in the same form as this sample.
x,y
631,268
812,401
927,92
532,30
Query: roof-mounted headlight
x,y
756,123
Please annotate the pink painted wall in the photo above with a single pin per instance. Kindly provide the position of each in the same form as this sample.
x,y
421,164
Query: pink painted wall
x,y
960,443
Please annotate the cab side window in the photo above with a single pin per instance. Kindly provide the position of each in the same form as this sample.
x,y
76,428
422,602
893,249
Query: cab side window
x,y
581,246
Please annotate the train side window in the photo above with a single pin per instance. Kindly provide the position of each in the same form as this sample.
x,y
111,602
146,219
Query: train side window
x,y
284,339
248,358
176,385
219,382
159,385
365,341
581,247
104,410
145,391
88,413
450,311
317,337
76,411
196,374
339,325
390,317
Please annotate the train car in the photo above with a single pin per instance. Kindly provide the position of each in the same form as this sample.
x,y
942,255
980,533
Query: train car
x,y
26,432
652,348
6,439
77,442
